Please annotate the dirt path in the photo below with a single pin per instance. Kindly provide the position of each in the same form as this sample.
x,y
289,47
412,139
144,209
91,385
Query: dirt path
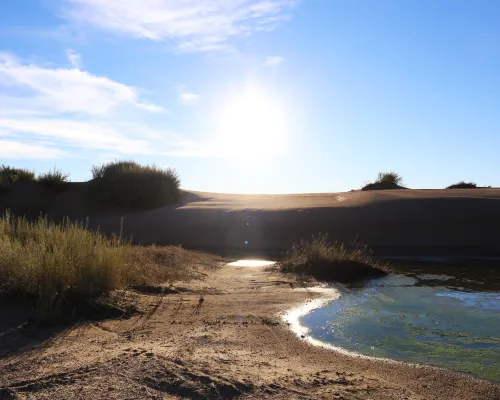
x,y
224,338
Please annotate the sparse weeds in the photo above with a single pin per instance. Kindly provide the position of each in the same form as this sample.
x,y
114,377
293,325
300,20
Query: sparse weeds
x,y
326,260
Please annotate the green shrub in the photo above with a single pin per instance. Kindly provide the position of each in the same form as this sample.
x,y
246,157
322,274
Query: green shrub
x,y
11,175
131,185
463,185
331,261
115,168
57,264
389,178
53,179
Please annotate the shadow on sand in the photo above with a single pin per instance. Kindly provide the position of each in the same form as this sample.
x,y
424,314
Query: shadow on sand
x,y
20,333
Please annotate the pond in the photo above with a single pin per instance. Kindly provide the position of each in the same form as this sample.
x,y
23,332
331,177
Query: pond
x,y
447,316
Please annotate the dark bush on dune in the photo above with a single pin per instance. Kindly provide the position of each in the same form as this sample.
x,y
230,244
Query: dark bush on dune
x,y
53,180
54,177
330,261
382,186
115,168
130,185
386,181
11,175
389,177
463,185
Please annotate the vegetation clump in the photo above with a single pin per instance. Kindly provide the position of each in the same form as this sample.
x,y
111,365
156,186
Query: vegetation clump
x,y
64,265
389,177
54,179
130,185
47,260
463,185
385,181
10,175
325,260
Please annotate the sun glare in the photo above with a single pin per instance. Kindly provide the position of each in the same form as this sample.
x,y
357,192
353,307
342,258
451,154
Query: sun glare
x,y
252,124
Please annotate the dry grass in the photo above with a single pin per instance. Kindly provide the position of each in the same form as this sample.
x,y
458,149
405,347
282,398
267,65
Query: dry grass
x,y
167,264
55,263
134,186
330,261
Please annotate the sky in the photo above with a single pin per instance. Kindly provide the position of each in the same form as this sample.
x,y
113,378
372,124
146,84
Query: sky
x,y
255,96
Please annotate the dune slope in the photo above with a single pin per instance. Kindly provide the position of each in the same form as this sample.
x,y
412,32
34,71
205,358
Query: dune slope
x,y
390,221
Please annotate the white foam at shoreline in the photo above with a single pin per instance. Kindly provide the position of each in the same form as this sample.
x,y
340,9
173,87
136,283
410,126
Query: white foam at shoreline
x,y
293,316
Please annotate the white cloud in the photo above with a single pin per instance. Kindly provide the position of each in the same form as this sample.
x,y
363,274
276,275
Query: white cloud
x,y
65,132
14,149
193,25
56,112
59,137
274,61
66,90
74,58
186,98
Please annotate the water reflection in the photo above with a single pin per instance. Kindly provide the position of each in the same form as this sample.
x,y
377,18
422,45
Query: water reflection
x,y
419,316
252,263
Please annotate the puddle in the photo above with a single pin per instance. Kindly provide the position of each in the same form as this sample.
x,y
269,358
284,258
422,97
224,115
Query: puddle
x,y
252,263
403,318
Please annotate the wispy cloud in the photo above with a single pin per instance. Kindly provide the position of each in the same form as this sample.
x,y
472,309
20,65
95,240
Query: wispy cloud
x,y
193,25
15,149
187,98
74,58
56,112
66,90
274,61
70,133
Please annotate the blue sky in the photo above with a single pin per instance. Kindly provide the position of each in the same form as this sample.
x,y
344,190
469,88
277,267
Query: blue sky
x,y
255,96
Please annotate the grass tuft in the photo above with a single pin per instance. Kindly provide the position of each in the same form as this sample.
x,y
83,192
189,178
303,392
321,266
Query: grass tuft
x,y
114,168
392,178
54,179
330,261
463,185
385,181
133,186
10,175
59,263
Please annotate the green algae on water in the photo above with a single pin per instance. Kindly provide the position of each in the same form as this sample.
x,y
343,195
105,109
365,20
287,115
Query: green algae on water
x,y
399,317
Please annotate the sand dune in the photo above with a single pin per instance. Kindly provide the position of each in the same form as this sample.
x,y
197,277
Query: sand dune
x,y
390,221
413,220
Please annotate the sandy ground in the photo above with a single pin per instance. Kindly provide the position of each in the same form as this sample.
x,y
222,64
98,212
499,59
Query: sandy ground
x,y
221,337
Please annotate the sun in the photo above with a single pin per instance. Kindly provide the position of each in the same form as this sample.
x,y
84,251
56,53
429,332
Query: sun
x,y
252,124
